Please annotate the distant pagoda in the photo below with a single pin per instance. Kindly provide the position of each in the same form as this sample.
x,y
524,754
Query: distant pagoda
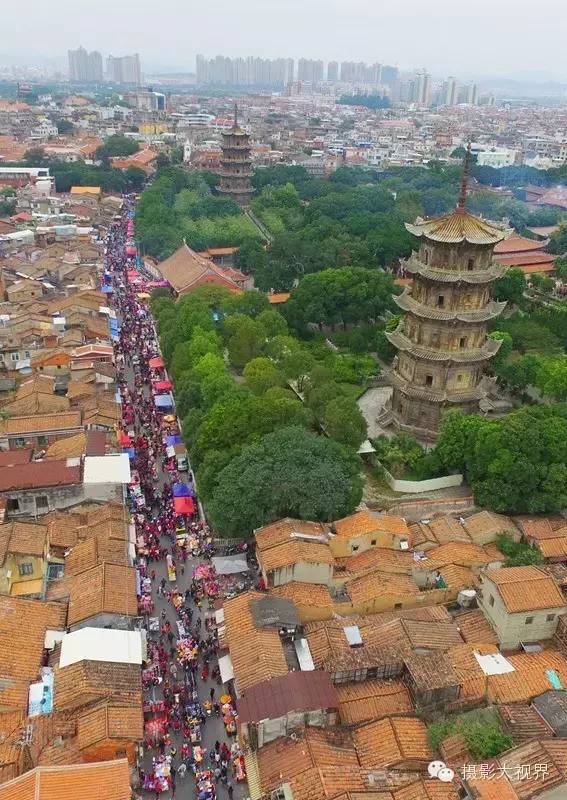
x,y
441,341
236,164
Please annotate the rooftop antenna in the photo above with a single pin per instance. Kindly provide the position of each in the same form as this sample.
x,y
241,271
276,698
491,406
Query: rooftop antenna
x,y
464,180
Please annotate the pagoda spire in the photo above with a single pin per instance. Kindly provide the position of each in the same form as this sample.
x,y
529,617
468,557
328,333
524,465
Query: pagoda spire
x,y
464,180
236,115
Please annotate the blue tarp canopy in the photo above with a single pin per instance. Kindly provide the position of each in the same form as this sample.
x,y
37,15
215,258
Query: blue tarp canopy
x,y
171,440
181,490
164,400
106,289
130,451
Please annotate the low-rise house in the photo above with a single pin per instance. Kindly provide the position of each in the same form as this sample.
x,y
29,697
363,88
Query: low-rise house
x,y
39,431
297,560
548,535
394,743
24,622
23,558
101,596
280,706
431,679
365,529
372,700
186,271
523,604
551,708
71,780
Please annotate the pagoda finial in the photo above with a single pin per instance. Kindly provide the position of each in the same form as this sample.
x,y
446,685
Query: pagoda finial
x,y
464,180
236,115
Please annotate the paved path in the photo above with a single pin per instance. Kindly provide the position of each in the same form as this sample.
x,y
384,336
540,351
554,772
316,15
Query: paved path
x,y
213,729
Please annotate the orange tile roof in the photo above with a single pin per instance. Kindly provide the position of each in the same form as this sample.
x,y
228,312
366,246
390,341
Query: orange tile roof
x,y
279,297
104,589
457,577
487,523
86,682
306,594
526,588
474,627
543,527
517,244
110,721
378,584
257,654
294,551
45,423
372,700
366,522
529,678
108,780
23,624
68,447
392,741
553,548
24,538
283,529
465,554
381,558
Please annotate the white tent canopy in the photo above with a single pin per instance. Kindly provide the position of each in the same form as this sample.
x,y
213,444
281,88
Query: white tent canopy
x,y
230,565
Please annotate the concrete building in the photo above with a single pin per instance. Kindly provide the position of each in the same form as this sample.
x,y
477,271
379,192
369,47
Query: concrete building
x,y
523,604
124,69
450,91
310,70
333,71
497,158
85,67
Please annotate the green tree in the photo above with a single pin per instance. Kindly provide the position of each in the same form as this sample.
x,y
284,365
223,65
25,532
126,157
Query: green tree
x,y
203,342
505,348
343,421
246,339
65,126
291,472
262,374
117,145
510,287
518,554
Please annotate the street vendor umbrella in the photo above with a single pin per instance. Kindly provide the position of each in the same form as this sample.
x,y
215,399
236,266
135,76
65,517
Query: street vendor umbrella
x,y
162,386
155,728
156,363
143,296
169,418
181,490
130,250
132,274
183,505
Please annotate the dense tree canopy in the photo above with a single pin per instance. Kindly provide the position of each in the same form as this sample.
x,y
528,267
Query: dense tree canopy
x,y
291,472
517,464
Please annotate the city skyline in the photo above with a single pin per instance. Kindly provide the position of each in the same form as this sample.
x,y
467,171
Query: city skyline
x,y
405,36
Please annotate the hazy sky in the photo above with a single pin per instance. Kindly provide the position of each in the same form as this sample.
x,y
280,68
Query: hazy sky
x,y
504,38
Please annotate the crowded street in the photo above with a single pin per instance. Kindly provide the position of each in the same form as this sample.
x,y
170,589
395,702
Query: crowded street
x,y
190,745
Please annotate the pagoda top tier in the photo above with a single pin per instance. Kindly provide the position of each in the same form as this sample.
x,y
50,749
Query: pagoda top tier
x,y
458,226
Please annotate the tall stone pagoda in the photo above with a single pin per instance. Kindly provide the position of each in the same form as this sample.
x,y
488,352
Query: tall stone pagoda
x,y
442,344
236,164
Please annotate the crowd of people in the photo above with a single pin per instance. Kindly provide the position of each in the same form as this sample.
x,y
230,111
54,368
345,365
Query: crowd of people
x,y
181,678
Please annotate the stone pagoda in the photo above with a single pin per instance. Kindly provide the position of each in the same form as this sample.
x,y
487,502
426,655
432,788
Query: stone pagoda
x,y
441,340
236,164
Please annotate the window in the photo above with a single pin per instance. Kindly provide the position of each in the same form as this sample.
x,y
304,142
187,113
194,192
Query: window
x,y
121,754
42,502
19,442
441,300
491,600
529,620
354,548
13,505
41,440
470,264
397,606
426,257
373,542
429,380
15,356
25,569
463,341
459,378
27,354
550,618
